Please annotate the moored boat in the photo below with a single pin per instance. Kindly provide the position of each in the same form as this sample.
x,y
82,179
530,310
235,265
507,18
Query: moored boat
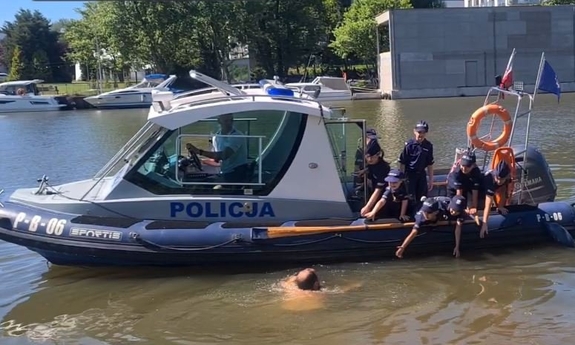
x,y
135,96
23,96
157,202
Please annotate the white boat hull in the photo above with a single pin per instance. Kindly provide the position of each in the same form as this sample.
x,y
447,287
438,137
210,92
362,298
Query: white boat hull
x,y
120,101
28,104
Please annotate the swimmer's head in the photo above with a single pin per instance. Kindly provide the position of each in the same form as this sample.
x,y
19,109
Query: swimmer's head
x,y
307,280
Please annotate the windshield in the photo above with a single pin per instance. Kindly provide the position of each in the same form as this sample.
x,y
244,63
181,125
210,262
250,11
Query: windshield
x,y
133,149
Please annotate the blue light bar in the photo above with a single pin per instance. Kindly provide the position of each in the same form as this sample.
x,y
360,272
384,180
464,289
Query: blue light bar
x,y
273,89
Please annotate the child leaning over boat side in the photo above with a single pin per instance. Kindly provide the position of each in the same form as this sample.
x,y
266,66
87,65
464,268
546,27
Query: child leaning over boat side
x,y
395,201
377,170
495,181
433,210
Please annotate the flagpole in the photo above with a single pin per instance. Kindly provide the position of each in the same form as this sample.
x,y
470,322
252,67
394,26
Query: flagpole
x,y
538,80
510,61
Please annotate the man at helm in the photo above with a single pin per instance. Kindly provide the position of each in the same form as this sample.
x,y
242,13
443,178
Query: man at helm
x,y
230,150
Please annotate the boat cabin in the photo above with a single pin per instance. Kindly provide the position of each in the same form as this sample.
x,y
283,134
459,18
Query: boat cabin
x,y
30,87
249,156
282,166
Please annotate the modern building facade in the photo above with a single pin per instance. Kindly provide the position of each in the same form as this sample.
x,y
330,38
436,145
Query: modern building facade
x,y
458,51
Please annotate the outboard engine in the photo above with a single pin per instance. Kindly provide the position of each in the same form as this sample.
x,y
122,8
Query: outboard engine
x,y
538,184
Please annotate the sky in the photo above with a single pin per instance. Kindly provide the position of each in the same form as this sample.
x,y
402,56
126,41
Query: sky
x,y
52,10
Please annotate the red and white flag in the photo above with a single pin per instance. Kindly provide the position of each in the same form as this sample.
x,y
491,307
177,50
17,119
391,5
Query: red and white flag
x,y
507,79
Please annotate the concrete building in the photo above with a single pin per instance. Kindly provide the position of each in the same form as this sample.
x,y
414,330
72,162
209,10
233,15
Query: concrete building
x,y
458,51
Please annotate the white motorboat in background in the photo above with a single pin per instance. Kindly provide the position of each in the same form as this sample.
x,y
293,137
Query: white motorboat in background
x,y
332,89
135,96
22,96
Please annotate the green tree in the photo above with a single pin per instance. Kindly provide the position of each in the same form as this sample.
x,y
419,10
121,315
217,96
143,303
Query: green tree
x,y
356,35
41,65
17,65
558,2
31,32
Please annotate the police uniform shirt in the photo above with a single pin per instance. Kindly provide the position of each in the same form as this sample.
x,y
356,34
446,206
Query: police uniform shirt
x,y
417,156
471,181
489,183
359,156
442,203
398,195
377,173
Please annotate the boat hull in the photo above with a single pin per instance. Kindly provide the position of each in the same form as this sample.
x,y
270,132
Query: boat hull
x,y
65,239
121,101
18,104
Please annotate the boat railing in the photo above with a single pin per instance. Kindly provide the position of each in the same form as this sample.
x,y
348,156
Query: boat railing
x,y
160,106
258,160
494,96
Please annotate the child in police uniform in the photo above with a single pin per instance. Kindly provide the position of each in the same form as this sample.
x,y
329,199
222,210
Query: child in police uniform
x,y
395,201
433,210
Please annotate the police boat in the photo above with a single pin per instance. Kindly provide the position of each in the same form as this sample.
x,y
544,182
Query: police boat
x,y
284,195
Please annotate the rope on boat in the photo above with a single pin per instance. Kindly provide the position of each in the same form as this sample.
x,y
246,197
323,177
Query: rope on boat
x,y
138,239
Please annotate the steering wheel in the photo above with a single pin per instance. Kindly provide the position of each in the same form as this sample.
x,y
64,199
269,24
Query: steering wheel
x,y
195,160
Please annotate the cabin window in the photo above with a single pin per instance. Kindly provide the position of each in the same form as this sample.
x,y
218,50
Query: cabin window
x,y
251,160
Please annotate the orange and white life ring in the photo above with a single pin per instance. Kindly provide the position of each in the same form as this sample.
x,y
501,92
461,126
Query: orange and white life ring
x,y
475,122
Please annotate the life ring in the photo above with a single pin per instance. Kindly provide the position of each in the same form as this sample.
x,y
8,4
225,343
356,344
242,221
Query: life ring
x,y
475,121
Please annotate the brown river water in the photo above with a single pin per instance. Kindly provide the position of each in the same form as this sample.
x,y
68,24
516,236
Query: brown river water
x,y
520,296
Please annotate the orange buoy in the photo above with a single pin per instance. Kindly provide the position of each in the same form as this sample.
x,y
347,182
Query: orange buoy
x,y
504,154
475,122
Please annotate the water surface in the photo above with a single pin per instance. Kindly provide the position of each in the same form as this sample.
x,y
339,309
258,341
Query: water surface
x,y
512,297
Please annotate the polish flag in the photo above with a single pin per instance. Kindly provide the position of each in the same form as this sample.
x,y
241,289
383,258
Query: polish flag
x,y
507,79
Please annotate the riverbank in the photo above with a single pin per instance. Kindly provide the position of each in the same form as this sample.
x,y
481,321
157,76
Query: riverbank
x,y
73,102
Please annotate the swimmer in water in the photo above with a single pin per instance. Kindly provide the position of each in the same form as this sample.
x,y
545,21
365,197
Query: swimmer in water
x,y
304,280
303,291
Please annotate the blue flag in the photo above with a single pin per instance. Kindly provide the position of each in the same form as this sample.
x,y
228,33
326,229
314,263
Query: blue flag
x,y
549,81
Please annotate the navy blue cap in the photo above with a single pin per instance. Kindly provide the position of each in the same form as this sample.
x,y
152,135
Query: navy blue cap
x,y
422,126
370,133
502,169
467,160
458,204
373,148
394,175
429,206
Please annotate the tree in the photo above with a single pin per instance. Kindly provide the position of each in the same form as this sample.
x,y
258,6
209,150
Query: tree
x,y
41,65
558,2
356,34
17,65
31,32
